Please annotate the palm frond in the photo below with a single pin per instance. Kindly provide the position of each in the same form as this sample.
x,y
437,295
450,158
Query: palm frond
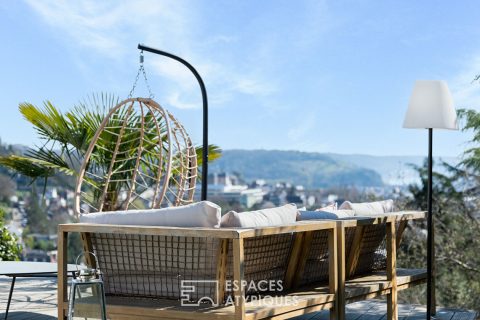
x,y
49,158
32,167
49,122
214,152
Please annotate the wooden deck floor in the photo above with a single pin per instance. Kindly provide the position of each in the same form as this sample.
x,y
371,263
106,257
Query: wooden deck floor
x,y
35,299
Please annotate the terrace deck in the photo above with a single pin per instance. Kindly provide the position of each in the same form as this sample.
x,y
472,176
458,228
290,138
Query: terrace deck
x,y
36,299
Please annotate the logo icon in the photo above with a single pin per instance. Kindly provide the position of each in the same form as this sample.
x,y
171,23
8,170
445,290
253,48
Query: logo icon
x,y
188,292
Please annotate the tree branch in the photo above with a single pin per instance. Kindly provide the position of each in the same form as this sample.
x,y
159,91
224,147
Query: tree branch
x,y
460,263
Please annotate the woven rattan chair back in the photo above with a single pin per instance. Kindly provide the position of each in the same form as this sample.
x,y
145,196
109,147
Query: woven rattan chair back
x,y
140,157
365,249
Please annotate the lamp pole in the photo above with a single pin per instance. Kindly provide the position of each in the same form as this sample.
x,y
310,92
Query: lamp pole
x,y
205,111
430,244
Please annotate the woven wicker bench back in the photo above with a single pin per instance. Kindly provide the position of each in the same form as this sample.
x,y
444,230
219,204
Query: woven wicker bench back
x,y
154,266
148,266
266,259
316,267
373,253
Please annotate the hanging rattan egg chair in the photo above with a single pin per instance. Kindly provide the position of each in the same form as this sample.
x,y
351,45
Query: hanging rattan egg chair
x,y
140,157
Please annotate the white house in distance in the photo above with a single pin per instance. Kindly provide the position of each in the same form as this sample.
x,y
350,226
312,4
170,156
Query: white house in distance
x,y
229,188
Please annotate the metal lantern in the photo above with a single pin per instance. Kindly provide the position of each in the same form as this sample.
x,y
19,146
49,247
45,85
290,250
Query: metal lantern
x,y
87,294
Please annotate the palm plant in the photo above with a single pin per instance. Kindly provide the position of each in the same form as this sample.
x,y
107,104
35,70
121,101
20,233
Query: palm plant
x,y
67,136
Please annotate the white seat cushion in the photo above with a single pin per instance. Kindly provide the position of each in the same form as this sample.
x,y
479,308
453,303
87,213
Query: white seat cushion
x,y
368,209
200,214
278,216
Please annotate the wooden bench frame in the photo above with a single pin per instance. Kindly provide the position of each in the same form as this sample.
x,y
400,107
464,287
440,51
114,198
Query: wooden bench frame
x,y
310,301
370,286
342,288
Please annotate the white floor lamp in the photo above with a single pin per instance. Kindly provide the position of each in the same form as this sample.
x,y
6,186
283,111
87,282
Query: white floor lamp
x,y
430,107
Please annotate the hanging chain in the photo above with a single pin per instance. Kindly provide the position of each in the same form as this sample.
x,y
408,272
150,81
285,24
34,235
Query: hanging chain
x,y
141,69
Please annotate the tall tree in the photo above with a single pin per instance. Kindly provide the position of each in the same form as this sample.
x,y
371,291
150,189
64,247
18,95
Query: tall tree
x,y
7,188
37,221
456,211
456,239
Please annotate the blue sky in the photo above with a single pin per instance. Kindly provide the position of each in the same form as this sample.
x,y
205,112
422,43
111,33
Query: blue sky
x,y
326,76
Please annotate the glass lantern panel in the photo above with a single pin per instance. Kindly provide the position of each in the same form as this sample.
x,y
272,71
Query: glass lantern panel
x,y
88,301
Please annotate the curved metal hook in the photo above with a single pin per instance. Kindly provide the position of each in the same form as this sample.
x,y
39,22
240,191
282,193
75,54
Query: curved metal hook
x,y
84,254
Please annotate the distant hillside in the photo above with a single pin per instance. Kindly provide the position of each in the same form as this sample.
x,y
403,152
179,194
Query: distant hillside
x,y
312,170
395,170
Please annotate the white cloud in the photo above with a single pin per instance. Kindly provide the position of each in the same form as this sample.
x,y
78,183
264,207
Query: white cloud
x,y
254,86
466,93
302,127
174,99
89,24
175,71
317,21
110,27
113,28
103,25
300,135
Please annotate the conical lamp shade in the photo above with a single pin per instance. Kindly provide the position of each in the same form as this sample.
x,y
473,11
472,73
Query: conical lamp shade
x,y
431,106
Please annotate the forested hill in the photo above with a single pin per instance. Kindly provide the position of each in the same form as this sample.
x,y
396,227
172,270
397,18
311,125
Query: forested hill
x,y
312,170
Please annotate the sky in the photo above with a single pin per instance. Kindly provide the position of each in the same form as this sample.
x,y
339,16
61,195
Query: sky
x,y
320,76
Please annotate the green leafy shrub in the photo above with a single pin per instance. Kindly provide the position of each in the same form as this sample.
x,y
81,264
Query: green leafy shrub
x,y
9,248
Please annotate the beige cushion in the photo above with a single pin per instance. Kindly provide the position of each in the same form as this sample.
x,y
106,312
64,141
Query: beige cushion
x,y
286,214
331,207
325,215
369,208
200,214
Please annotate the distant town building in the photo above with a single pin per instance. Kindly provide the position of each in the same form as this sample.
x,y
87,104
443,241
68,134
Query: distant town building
x,y
35,255
231,188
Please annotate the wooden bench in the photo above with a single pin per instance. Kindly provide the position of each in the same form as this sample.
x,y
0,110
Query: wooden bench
x,y
323,264
144,283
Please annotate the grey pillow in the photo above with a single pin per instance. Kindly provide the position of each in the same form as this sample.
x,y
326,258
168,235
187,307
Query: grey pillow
x,y
325,215
200,214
